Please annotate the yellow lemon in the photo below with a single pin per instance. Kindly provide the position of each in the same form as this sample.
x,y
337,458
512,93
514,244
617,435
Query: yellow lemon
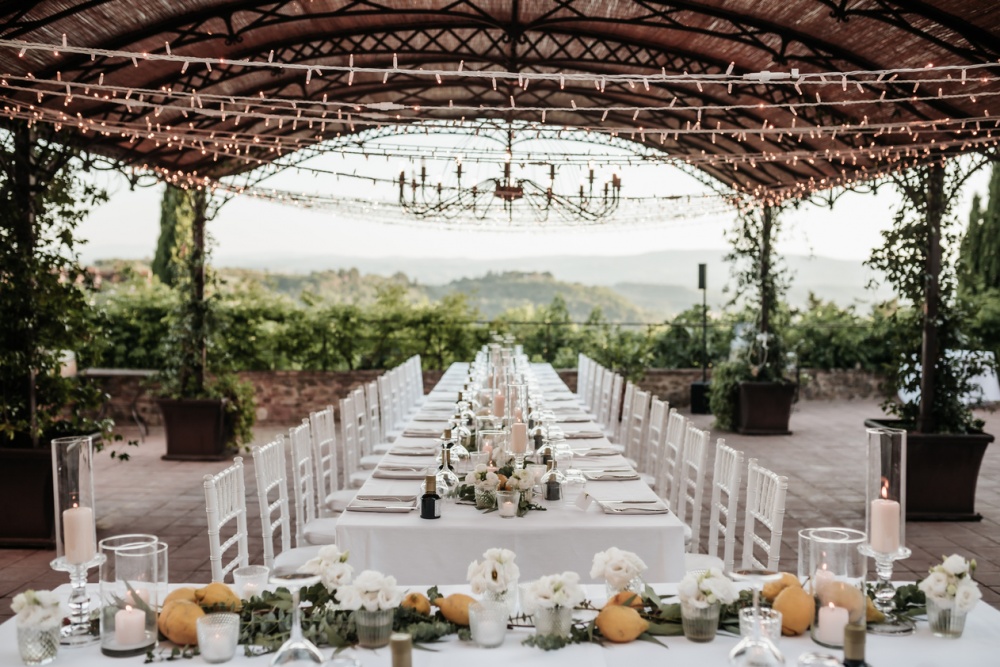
x,y
630,598
217,594
418,602
797,609
872,614
455,607
179,622
843,594
772,588
620,624
180,594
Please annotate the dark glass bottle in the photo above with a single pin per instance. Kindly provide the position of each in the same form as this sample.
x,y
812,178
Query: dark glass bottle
x,y
552,481
430,502
854,646
446,461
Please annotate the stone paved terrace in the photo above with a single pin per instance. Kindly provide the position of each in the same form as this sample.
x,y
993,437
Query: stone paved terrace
x,y
822,460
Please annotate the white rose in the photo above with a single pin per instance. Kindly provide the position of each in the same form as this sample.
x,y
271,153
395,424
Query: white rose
x,y
956,565
349,597
618,574
601,559
368,581
935,585
492,479
389,596
721,589
688,588
967,595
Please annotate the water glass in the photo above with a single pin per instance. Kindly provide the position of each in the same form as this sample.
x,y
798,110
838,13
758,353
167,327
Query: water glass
x,y
768,623
488,622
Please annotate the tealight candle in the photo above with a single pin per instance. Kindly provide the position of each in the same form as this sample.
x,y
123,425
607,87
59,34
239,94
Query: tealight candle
x,y
130,627
830,624
508,509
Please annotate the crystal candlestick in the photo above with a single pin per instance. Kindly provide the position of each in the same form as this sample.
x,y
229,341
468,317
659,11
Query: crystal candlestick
x,y
885,521
76,531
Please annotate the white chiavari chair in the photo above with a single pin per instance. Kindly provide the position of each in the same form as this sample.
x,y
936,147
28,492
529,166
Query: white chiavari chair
x,y
388,405
691,483
622,427
765,506
275,515
351,428
635,434
596,389
656,435
309,527
673,455
322,426
225,502
376,429
722,520
583,368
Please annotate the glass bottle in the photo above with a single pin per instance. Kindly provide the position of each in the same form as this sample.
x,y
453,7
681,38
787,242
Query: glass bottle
x,y
854,646
430,502
552,481
447,481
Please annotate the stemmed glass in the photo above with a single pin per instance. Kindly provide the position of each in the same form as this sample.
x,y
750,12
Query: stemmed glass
x,y
297,648
756,650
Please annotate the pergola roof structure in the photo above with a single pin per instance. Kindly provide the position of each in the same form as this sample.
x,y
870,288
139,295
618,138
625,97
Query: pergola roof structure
x,y
644,38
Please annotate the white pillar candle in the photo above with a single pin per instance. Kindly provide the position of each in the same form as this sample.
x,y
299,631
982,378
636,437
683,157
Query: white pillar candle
x,y
519,438
140,593
821,578
885,526
130,627
830,624
498,405
518,415
78,535
508,509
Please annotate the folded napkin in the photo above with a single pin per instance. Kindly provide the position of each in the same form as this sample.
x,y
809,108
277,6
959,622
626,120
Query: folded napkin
x,y
391,509
437,418
387,498
430,450
384,473
618,507
597,451
422,433
573,419
583,435
603,476
401,467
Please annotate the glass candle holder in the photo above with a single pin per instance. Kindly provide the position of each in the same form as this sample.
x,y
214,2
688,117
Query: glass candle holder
x,y
832,569
761,623
218,636
885,520
75,530
507,502
250,580
491,442
517,403
128,589
488,622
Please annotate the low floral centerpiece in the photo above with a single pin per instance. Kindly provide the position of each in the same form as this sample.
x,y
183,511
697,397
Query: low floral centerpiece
x,y
330,563
484,483
702,595
621,571
550,600
38,620
495,577
373,597
951,593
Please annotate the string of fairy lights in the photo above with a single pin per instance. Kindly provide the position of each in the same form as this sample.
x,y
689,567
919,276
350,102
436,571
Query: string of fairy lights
x,y
262,129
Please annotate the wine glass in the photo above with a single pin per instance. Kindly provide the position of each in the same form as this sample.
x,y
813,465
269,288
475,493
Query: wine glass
x,y
756,650
297,649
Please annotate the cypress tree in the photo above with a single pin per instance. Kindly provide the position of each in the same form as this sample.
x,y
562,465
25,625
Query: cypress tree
x,y
979,254
176,218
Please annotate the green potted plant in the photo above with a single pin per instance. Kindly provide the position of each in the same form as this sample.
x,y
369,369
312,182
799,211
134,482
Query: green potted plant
x,y
205,410
750,393
47,325
946,443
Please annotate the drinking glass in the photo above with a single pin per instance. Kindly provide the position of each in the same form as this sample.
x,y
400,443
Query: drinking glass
x,y
297,648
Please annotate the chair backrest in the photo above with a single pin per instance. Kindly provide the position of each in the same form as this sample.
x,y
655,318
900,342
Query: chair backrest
x,y
269,469
656,435
604,402
673,456
417,369
349,438
324,442
397,383
386,403
622,427
361,421
596,389
303,476
726,477
582,376
635,436
375,427
765,505
225,501
691,488
615,416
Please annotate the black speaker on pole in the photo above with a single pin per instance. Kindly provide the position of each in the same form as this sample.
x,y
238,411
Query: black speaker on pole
x,y
699,390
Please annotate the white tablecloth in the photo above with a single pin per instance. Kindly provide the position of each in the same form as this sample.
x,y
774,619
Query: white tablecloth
x,y
978,647
562,538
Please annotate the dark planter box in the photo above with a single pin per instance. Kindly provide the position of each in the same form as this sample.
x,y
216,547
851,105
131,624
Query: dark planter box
x,y
26,492
699,398
195,429
765,407
942,471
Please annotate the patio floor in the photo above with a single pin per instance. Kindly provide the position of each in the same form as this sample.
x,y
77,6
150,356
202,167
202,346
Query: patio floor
x,y
822,460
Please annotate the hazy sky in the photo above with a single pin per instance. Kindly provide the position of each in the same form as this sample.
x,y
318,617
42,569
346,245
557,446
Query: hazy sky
x,y
247,227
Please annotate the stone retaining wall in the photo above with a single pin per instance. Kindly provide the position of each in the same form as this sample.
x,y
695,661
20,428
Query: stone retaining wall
x,y
285,397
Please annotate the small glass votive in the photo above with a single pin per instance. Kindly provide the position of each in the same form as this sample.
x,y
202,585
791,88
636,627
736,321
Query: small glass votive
x,y
346,659
819,660
769,622
488,622
507,502
250,580
218,635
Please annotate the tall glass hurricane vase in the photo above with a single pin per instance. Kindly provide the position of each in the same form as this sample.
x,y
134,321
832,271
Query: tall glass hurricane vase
x,y
76,531
885,520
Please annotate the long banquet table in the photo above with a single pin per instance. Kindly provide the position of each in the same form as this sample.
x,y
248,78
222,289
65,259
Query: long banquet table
x,y
564,537
978,647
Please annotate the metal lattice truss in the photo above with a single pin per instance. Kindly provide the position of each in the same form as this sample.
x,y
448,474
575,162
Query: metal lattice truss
x,y
640,37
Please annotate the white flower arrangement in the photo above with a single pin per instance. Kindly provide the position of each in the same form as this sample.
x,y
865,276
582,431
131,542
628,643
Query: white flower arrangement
x,y
951,585
331,565
552,591
520,480
701,589
618,568
483,478
496,573
370,590
39,609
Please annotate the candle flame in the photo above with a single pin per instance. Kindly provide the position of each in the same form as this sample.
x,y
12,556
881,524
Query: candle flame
x,y
128,607
831,605
885,488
